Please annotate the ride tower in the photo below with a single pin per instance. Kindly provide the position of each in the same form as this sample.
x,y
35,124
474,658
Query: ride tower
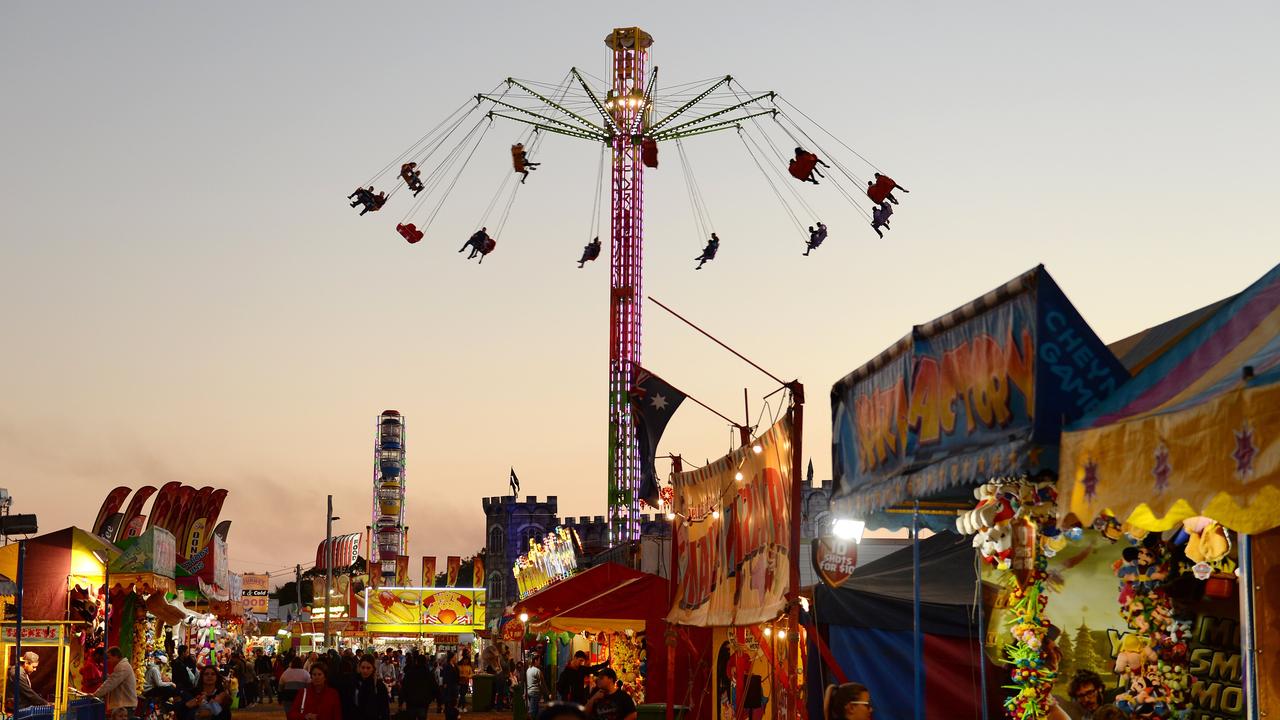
x,y
628,107
389,531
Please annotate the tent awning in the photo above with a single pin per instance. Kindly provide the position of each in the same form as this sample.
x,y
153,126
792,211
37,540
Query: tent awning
x,y
980,392
606,597
1195,433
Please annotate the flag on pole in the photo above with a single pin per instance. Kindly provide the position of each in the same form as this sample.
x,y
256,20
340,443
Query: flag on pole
x,y
653,402
515,483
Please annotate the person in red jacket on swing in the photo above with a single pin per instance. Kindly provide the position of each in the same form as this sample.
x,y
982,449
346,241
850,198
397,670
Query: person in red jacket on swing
x,y
805,166
882,188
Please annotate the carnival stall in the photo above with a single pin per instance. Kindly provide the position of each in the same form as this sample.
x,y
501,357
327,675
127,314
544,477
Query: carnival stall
x,y
919,432
735,557
867,624
1183,466
612,613
141,578
63,580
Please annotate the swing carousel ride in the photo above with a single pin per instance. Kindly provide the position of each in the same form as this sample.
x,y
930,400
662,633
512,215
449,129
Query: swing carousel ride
x,y
630,116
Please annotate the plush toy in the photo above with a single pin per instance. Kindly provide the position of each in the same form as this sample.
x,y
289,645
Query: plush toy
x,y
1207,541
1134,653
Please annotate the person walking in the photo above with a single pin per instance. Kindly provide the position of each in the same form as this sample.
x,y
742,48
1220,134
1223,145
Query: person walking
x,y
419,687
210,699
610,701
317,701
535,687
120,689
449,686
369,697
572,685
850,701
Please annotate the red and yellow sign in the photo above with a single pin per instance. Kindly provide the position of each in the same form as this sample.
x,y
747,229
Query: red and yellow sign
x,y
425,610
733,564
835,559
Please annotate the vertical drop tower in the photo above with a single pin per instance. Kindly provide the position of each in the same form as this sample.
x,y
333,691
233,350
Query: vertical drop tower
x,y
389,531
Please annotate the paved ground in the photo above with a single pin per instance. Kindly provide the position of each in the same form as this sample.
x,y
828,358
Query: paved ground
x,y
276,712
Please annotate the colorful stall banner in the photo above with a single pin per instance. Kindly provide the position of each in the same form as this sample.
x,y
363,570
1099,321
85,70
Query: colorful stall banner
x,y
424,610
257,588
453,565
209,564
552,558
428,570
979,393
132,521
154,551
733,565
111,505
346,548
402,570
32,634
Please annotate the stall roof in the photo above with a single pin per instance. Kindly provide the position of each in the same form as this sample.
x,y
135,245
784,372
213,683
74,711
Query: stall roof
x,y
1194,433
978,393
879,594
606,597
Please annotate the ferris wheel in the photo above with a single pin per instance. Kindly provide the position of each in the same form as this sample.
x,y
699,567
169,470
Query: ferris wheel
x,y
632,116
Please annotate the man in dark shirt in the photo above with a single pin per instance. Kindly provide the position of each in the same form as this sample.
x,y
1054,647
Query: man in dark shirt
x,y
184,670
28,697
572,685
610,702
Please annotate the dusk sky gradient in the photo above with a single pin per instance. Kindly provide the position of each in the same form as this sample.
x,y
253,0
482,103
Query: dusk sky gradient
x,y
187,296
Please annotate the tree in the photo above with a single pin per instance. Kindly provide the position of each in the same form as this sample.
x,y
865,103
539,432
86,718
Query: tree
x,y
1067,667
1086,654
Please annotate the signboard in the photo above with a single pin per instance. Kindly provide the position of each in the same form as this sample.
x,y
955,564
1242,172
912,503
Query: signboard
x,y
553,558
346,549
424,610
733,565
154,551
257,589
32,634
210,563
978,393
834,559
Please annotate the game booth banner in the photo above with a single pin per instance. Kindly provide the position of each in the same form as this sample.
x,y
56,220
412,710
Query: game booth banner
x,y
733,557
978,393
147,562
1190,449
408,610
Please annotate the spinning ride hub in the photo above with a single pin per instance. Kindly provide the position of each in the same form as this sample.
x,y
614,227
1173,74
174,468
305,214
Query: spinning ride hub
x,y
628,110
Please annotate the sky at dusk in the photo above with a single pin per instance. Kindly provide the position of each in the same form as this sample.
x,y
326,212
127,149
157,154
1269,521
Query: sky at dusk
x,y
186,295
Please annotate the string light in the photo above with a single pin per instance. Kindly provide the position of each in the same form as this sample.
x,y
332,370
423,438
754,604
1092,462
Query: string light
x,y
782,634
768,631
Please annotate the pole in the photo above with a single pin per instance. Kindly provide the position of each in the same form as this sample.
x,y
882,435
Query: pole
x,y
917,640
328,566
982,643
793,591
106,623
17,642
1248,629
672,576
297,586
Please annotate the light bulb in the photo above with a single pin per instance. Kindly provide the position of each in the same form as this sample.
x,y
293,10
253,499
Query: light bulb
x,y
524,617
782,634
671,516
768,631
738,476
715,514
757,448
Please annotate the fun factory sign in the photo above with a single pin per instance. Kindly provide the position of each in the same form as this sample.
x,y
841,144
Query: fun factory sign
x,y
979,393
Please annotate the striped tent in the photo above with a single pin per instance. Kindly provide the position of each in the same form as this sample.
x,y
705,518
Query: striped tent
x,y
1196,432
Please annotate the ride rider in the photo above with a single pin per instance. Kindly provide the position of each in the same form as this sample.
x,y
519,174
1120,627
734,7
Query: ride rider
x,y
815,237
708,252
412,177
520,161
590,252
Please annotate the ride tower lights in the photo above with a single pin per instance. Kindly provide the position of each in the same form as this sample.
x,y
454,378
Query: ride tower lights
x,y
628,105
388,498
